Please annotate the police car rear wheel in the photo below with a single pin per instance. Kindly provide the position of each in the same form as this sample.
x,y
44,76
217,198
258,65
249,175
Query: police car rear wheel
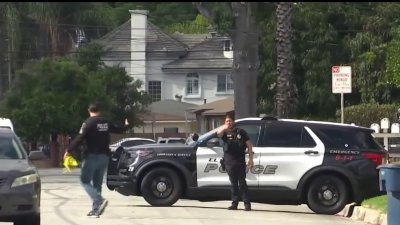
x,y
161,187
327,195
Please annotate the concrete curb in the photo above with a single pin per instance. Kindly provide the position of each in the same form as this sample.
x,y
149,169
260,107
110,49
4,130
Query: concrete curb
x,y
359,213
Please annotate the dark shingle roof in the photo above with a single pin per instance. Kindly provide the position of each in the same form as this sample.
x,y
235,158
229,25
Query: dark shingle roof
x,y
206,55
171,107
190,40
118,42
219,107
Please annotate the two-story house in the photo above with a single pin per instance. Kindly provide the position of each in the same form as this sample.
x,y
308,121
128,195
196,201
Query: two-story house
x,y
193,69
171,66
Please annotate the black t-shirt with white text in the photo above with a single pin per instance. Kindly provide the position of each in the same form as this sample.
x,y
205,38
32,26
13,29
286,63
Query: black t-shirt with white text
x,y
95,131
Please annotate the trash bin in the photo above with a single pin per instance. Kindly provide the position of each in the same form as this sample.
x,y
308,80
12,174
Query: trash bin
x,y
389,181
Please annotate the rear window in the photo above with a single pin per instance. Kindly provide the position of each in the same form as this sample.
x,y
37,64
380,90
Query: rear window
x,y
351,138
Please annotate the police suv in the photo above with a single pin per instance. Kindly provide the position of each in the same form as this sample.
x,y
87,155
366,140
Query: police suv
x,y
324,165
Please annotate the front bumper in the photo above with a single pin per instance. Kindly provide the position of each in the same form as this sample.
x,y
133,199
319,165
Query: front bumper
x,y
124,185
14,205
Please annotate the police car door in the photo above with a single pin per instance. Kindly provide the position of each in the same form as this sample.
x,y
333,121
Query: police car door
x,y
209,154
288,151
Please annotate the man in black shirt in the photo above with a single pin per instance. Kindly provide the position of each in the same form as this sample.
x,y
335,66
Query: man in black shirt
x,y
95,131
236,142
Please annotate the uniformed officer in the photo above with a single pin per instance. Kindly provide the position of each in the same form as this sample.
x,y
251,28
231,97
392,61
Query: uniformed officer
x,y
236,141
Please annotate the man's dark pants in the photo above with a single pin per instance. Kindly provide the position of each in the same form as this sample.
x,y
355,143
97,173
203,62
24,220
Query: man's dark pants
x,y
237,177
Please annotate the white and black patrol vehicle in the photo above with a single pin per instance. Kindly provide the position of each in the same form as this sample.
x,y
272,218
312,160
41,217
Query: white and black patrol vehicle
x,y
324,165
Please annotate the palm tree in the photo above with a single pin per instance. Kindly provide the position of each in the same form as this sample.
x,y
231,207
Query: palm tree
x,y
59,22
9,22
286,93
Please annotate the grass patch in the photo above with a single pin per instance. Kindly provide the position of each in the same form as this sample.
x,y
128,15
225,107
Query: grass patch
x,y
378,203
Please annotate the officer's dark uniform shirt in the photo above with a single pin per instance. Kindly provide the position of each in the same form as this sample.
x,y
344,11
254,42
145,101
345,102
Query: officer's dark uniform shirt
x,y
235,146
96,132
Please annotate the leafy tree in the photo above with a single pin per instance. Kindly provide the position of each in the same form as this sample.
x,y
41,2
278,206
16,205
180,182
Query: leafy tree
x,y
47,99
52,96
198,26
163,14
370,50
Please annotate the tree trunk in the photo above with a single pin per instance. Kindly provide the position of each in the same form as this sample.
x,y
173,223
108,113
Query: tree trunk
x,y
245,59
286,93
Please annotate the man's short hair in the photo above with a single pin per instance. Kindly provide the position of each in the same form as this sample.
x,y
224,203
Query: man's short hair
x,y
230,115
94,107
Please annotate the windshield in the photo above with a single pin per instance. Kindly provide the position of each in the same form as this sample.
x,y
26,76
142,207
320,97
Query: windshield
x,y
207,135
11,148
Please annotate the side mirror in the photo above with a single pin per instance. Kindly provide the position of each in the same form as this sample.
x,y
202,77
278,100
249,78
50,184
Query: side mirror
x,y
37,155
213,142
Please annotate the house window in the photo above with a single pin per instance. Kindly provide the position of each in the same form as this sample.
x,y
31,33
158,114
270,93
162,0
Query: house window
x,y
154,90
224,83
216,123
227,45
192,84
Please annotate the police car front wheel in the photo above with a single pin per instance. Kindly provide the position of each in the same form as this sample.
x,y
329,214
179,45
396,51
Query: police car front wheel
x,y
161,187
327,194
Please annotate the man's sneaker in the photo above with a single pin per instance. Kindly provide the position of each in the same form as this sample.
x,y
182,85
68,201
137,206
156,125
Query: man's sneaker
x,y
93,214
103,205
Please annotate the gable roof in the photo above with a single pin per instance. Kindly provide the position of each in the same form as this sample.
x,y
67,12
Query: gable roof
x,y
220,107
208,54
117,42
190,40
169,110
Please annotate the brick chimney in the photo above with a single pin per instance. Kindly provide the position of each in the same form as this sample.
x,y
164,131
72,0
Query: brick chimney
x,y
138,46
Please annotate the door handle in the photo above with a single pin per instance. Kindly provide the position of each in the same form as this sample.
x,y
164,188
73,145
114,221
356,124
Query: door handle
x,y
311,152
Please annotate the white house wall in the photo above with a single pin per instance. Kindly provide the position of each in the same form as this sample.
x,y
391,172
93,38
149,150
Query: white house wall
x,y
176,84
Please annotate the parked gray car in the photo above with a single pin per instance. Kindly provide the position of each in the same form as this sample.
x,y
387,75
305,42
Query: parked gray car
x,y
20,185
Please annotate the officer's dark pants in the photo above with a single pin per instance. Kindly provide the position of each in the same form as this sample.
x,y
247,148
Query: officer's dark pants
x,y
237,177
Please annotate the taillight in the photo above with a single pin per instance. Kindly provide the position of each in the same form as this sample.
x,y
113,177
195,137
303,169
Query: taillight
x,y
376,158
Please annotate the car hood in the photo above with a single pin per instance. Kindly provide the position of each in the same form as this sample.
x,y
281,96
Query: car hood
x,y
20,166
160,147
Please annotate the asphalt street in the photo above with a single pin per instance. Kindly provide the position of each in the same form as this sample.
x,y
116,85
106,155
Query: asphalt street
x,y
65,203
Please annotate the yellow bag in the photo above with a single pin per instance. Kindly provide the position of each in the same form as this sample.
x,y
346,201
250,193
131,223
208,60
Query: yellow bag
x,y
69,163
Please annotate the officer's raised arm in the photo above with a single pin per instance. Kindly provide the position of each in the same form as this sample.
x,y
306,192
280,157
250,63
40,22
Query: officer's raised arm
x,y
221,130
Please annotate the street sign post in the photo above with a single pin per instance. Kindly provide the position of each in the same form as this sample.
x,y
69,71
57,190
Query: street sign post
x,y
341,83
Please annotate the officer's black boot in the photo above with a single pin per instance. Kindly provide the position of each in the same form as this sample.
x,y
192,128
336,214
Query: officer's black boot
x,y
247,206
233,206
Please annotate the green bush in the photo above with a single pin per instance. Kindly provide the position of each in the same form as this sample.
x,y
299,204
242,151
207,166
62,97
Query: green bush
x,y
378,203
367,114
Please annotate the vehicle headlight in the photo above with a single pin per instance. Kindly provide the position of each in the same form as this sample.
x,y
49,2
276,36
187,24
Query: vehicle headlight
x,y
27,179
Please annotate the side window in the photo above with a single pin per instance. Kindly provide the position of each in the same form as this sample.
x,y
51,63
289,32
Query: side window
x,y
306,139
253,131
283,135
128,143
346,138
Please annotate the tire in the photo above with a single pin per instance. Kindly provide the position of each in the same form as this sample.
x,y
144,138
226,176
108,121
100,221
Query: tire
x,y
327,195
31,220
161,187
